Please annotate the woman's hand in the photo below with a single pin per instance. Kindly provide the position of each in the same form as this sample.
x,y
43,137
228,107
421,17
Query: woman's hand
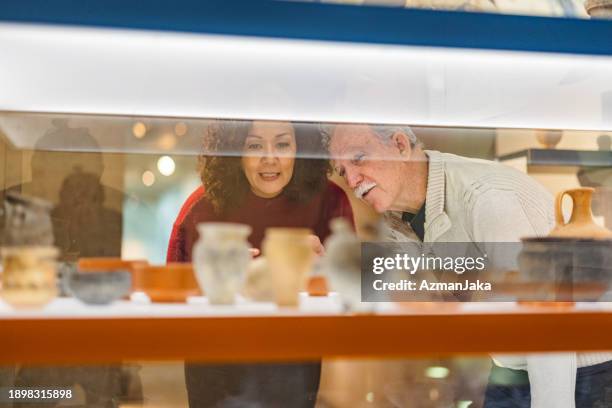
x,y
316,245
314,241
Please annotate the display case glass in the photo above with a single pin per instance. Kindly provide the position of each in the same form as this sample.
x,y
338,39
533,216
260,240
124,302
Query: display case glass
x,y
215,207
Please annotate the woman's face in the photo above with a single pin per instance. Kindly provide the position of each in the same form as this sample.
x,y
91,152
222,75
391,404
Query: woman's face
x,y
268,157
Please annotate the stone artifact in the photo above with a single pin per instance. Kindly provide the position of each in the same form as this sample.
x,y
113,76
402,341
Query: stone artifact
x,y
342,261
99,288
290,257
221,257
29,275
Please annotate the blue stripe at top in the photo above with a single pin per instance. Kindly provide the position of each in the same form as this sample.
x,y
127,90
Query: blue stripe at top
x,y
330,22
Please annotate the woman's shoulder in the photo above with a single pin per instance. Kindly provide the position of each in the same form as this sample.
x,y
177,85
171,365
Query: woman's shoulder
x,y
196,206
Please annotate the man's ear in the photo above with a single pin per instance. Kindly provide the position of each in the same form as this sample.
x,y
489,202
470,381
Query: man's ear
x,y
402,143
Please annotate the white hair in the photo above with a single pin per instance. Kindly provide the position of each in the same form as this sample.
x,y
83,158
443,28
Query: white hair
x,y
383,132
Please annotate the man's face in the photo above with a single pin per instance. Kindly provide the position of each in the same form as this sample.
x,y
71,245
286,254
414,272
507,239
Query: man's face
x,y
371,167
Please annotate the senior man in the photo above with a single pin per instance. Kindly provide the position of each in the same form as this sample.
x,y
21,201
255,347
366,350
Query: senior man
x,y
441,197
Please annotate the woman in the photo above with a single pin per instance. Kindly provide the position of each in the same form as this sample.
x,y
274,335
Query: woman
x,y
264,174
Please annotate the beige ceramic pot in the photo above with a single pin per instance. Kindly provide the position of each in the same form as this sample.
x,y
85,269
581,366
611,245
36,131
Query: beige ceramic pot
x,y
599,8
29,277
290,257
580,224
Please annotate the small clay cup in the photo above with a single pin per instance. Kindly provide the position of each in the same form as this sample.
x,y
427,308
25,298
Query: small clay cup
x,y
171,283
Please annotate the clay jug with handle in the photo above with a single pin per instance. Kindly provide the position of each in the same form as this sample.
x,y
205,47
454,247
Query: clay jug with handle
x,y
581,223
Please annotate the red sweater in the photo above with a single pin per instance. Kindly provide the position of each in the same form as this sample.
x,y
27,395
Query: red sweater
x,y
259,213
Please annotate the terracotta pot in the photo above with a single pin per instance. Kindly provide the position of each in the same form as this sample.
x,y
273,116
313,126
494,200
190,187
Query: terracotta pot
x,y
290,257
29,277
575,261
581,223
317,286
102,263
170,283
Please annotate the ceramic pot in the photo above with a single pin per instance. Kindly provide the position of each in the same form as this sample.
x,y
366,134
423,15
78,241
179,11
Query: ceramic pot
x,y
258,283
342,261
99,288
549,139
599,8
220,258
111,264
581,224
290,257
575,261
29,275
174,282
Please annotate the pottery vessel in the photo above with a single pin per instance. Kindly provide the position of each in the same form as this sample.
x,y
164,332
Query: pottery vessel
x,y
258,284
581,223
29,277
574,263
342,261
97,264
173,282
99,288
317,286
220,258
548,138
290,257
599,8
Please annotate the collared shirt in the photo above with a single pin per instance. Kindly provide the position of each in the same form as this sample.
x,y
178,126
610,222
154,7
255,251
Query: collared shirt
x,y
416,221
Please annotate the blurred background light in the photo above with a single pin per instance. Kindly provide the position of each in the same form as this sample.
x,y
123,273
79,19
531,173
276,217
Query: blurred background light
x,y
139,130
148,178
166,165
436,372
180,129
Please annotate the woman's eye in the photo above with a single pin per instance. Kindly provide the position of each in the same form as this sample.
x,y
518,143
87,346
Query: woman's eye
x,y
253,146
283,145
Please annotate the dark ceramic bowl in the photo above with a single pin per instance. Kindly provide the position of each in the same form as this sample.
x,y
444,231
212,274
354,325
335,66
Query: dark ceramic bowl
x,y
99,288
577,269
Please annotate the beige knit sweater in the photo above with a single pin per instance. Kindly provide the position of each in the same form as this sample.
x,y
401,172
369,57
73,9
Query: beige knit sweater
x,y
472,200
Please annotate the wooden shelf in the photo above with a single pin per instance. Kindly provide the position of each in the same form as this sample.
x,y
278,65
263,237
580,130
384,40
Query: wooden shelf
x,y
293,336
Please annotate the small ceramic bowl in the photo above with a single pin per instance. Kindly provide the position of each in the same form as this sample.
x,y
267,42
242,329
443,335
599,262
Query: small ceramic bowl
x,y
99,288
174,282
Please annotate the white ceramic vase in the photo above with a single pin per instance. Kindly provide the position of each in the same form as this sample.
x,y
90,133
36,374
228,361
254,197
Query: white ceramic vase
x,y
220,259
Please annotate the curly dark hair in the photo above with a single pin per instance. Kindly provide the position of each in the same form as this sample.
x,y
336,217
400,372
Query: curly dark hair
x,y
221,164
